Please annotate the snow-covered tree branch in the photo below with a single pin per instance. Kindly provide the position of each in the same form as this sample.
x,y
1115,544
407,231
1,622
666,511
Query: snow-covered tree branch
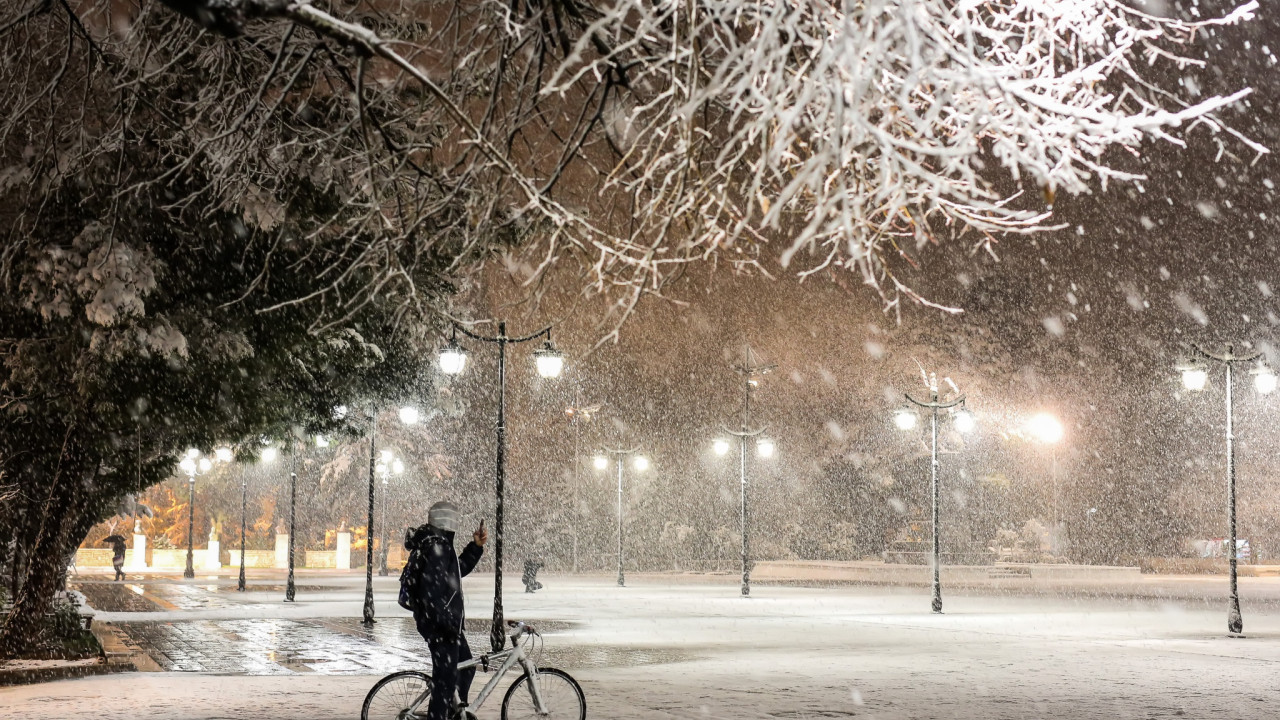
x,y
628,136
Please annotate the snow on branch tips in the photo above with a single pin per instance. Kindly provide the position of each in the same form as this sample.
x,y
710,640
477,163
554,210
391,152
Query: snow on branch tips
x,y
849,126
627,136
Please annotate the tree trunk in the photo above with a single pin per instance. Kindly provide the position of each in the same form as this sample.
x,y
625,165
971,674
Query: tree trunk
x,y
55,524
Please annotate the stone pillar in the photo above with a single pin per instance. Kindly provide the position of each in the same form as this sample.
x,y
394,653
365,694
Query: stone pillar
x,y
139,559
342,561
282,550
213,556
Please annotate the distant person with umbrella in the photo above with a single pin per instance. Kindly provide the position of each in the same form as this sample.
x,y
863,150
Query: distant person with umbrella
x,y
117,556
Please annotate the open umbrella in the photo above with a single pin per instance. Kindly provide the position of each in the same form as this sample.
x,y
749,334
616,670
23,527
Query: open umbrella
x,y
113,539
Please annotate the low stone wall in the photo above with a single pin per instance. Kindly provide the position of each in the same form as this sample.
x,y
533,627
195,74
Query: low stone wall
x,y
252,558
321,559
999,574
1205,566
968,557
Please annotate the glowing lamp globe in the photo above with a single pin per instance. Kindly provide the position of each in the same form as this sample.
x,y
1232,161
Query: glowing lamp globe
x,y
965,422
270,454
1045,428
453,359
601,462
188,466
721,447
409,415
765,447
205,464
549,361
1264,381
1194,378
904,419
224,454
641,463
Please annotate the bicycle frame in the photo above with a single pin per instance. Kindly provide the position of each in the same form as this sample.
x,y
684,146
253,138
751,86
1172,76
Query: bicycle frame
x,y
508,660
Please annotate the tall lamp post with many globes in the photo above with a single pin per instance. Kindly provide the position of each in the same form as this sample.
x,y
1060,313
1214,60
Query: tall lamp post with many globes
x,y
963,421
1195,377
549,363
640,463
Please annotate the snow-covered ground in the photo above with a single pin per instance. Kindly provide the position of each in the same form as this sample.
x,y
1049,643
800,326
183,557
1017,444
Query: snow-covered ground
x,y
787,652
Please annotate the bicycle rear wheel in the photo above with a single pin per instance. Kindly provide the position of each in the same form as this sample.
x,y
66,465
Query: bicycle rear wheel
x,y
395,694
561,694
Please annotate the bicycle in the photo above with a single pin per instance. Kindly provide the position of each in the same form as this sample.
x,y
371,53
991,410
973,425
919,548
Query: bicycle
x,y
548,692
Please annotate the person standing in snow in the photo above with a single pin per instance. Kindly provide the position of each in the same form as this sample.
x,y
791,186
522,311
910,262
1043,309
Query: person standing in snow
x,y
436,571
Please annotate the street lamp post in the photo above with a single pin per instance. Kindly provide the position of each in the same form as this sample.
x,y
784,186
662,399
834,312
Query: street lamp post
x,y
578,414
368,536
244,501
382,541
268,455
602,463
1194,377
550,362
933,405
289,588
750,381
191,466
389,464
190,570
408,416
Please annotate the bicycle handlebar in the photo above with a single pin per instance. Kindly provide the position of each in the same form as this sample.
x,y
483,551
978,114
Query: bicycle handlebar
x,y
518,627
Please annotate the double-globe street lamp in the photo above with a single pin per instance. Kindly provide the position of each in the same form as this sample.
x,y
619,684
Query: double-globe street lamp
x,y
192,464
764,448
549,363
640,463
268,455
388,464
964,422
408,416
1195,377
578,414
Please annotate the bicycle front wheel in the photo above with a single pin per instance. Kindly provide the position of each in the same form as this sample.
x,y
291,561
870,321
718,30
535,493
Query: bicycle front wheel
x,y
395,696
562,697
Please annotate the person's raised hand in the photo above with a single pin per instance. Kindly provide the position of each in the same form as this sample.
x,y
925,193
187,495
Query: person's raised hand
x,y
481,536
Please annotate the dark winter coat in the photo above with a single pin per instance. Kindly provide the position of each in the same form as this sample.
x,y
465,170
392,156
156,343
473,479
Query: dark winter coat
x,y
438,608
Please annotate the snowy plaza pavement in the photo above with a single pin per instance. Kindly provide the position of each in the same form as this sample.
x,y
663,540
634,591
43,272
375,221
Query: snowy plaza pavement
x,y
691,648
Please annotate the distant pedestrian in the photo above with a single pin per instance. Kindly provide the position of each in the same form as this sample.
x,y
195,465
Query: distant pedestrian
x,y
530,576
117,554
435,572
